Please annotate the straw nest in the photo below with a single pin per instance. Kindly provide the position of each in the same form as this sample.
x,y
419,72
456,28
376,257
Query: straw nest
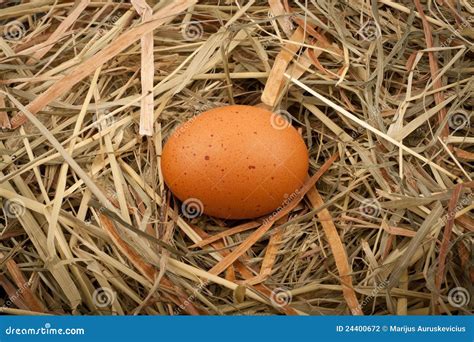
x,y
381,91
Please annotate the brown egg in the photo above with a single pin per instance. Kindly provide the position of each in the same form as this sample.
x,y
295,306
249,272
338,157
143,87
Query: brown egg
x,y
234,162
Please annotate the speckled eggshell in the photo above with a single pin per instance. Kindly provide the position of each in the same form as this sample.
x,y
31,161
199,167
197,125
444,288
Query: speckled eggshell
x,y
236,161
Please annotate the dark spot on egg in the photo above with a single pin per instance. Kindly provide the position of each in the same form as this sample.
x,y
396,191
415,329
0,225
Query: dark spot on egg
x,y
207,157
251,167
